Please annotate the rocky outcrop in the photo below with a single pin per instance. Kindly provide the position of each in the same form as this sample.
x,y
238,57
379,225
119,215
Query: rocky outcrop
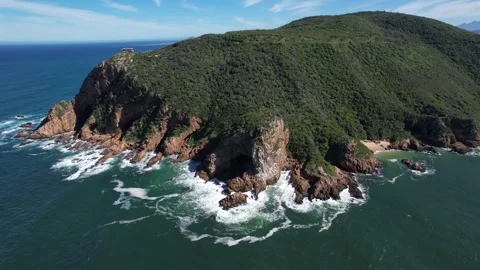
x,y
354,157
60,119
117,110
233,200
177,143
413,145
23,134
458,134
460,148
26,125
414,166
249,161
154,160
319,185
26,142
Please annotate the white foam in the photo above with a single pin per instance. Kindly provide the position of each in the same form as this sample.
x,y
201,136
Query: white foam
x,y
167,197
206,195
84,164
202,201
126,222
395,178
6,123
394,160
474,153
139,193
126,194
229,241
37,154
141,164
427,172
48,144
11,130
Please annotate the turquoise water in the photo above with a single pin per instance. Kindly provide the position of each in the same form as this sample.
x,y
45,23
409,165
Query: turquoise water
x,y
57,214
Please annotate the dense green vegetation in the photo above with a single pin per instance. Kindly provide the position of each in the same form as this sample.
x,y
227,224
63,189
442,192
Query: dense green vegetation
x,y
318,162
359,75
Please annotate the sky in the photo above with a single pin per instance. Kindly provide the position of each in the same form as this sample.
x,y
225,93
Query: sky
x,y
110,20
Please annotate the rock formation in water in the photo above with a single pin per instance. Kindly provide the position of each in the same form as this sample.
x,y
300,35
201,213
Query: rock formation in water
x,y
414,166
250,104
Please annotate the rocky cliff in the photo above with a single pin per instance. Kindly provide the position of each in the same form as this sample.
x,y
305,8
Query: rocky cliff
x,y
111,113
250,104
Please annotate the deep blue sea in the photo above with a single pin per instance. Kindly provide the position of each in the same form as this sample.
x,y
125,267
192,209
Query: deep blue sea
x,y
58,213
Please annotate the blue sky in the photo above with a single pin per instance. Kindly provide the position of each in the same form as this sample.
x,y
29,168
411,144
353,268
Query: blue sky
x,y
99,20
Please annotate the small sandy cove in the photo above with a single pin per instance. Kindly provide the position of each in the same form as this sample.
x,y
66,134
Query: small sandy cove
x,y
377,146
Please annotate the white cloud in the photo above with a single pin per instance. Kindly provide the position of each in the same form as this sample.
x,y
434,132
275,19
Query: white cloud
x,y
414,7
157,2
119,6
296,6
454,11
248,3
368,4
248,23
49,22
187,5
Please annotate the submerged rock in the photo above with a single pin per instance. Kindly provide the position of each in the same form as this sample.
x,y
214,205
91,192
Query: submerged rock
x,y
64,137
154,160
26,125
27,142
23,134
20,116
414,166
233,200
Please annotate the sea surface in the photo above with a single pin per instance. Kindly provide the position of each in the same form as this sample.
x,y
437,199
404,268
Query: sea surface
x,y
56,212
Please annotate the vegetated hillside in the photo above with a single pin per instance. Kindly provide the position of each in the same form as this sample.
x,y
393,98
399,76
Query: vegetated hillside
x,y
362,75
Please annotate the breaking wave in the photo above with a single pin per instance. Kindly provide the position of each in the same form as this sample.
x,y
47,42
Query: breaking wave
x,y
198,215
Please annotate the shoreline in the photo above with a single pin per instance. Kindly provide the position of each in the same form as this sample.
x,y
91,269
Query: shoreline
x,y
377,146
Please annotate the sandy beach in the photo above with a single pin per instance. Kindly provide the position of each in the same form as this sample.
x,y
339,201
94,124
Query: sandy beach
x,y
377,146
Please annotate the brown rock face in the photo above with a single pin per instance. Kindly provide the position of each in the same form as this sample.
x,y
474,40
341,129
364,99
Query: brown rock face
x,y
348,157
460,148
412,144
270,152
60,119
250,160
458,134
176,144
23,134
154,160
319,185
414,166
233,200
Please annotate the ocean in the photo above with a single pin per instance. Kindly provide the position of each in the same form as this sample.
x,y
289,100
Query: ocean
x,y
59,213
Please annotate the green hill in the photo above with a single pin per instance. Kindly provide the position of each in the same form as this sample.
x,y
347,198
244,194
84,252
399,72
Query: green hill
x,y
360,75
372,75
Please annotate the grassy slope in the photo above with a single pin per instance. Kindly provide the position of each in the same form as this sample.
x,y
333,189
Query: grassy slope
x,y
358,75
